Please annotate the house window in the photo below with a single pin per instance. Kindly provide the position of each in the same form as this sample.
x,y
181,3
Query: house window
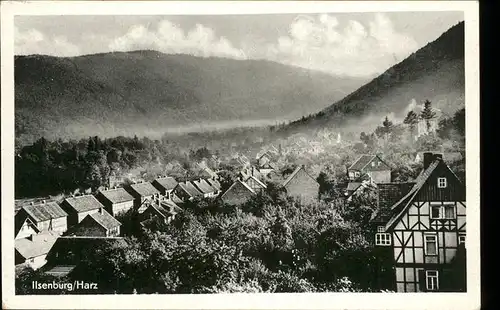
x,y
430,245
373,164
382,239
441,182
432,280
461,239
445,210
356,174
380,229
449,211
435,212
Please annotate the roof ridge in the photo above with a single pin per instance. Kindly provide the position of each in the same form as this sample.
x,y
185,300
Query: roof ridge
x,y
290,177
423,177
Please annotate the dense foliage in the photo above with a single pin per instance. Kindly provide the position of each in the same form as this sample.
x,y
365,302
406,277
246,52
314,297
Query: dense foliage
x,y
273,243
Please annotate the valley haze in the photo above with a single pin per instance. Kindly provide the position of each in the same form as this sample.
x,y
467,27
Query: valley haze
x,y
184,76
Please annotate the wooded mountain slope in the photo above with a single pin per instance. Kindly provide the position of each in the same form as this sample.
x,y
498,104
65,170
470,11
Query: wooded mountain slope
x,y
148,93
435,72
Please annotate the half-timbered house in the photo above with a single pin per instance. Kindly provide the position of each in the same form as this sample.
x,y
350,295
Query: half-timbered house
x,y
425,228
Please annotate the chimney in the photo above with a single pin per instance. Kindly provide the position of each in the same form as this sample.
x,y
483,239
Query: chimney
x,y
428,158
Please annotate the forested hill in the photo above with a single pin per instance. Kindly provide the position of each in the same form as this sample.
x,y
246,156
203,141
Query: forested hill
x,y
435,73
148,93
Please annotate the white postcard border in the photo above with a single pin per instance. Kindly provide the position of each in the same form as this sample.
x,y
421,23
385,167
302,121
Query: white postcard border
x,y
469,300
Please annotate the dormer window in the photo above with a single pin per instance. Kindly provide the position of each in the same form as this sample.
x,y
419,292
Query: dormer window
x,y
442,183
373,164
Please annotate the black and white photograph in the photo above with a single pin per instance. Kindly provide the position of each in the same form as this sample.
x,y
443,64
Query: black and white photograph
x,y
170,152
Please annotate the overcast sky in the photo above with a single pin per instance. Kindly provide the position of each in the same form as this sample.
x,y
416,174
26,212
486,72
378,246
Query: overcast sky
x,y
353,44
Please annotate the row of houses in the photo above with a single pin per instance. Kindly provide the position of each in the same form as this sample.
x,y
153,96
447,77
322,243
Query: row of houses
x,y
38,225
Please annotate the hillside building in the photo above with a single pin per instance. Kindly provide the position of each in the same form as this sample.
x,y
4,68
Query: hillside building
x,y
371,165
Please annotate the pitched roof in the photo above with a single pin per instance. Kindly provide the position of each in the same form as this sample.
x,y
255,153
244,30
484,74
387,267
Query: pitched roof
x,y
294,173
19,222
398,209
388,195
203,186
361,162
238,183
209,172
352,186
36,245
190,189
84,203
166,208
117,195
44,211
168,183
144,189
175,198
214,183
269,164
258,181
105,219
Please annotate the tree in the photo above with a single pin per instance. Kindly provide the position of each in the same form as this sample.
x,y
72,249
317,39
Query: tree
x,y
411,120
94,178
428,113
459,121
387,124
385,129
91,145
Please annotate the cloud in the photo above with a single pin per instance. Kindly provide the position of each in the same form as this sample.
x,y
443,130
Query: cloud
x,y
32,41
171,39
322,42
354,49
